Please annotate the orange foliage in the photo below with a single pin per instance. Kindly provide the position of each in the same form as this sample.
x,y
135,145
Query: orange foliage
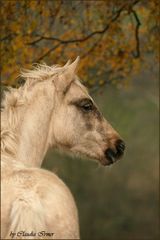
x,y
102,33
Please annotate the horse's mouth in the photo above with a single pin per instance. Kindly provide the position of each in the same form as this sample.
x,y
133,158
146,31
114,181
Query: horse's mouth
x,y
107,162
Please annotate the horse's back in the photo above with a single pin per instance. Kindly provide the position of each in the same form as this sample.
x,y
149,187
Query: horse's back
x,y
37,202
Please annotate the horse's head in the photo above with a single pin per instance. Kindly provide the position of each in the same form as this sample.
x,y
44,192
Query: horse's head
x,y
78,125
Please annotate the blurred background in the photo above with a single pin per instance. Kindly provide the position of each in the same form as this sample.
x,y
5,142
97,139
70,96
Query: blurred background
x,y
118,45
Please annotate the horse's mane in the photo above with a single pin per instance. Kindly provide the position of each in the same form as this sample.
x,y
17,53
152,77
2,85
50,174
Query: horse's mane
x,y
14,104
41,72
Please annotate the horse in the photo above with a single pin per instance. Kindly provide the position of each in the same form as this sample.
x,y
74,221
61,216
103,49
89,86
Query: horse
x,y
53,109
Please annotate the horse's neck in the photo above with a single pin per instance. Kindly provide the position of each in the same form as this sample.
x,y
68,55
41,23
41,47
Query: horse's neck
x,y
33,142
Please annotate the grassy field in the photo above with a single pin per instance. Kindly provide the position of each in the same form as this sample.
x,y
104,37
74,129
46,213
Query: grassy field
x,y
121,201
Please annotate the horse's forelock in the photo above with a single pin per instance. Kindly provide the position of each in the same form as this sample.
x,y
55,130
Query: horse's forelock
x,y
41,72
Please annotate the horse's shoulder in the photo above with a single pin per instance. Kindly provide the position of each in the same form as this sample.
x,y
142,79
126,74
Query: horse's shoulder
x,y
37,184
45,184
52,186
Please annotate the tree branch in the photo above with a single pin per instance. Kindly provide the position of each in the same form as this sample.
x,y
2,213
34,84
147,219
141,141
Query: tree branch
x,y
46,53
113,19
9,36
57,10
138,23
92,47
79,40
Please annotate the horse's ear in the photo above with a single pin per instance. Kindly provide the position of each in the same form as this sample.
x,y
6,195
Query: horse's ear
x,y
71,69
67,76
67,63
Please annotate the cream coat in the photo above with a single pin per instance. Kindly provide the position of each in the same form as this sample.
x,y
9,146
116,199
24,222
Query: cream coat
x,y
39,115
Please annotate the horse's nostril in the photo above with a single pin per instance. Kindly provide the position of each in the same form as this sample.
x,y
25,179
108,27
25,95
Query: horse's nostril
x,y
114,154
120,147
110,155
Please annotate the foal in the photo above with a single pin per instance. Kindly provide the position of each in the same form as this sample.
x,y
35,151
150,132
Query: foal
x,y
52,109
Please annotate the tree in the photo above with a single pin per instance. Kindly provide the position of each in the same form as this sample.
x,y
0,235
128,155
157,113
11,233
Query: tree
x,y
111,37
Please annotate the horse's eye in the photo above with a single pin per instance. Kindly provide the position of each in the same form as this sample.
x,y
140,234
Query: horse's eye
x,y
87,107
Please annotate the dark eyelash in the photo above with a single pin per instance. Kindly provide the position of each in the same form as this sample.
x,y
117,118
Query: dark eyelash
x,y
85,104
87,107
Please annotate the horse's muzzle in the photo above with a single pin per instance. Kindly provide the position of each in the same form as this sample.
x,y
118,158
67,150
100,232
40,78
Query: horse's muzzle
x,y
112,155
